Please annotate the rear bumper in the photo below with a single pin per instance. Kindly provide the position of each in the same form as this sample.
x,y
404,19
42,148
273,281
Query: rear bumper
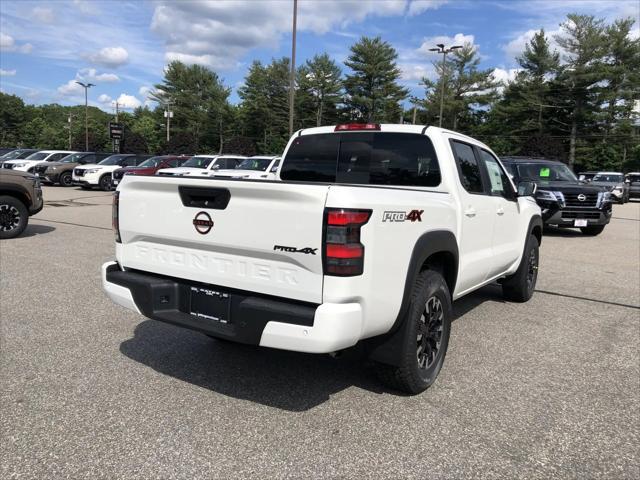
x,y
255,319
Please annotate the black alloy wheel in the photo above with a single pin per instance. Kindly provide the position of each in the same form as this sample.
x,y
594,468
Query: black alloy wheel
x,y
429,339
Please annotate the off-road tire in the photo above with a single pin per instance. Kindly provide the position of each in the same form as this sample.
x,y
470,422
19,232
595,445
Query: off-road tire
x,y
520,286
65,179
105,182
410,376
592,230
13,216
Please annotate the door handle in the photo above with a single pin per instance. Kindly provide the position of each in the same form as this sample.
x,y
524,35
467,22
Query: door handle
x,y
500,211
470,212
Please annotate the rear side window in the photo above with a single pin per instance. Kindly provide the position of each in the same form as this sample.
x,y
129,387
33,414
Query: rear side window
x,y
130,161
373,158
468,167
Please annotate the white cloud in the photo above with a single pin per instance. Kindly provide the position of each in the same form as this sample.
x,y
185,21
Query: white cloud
x,y
218,34
109,57
8,44
128,101
43,14
71,89
86,7
105,99
505,76
457,39
7,73
91,75
416,72
419,6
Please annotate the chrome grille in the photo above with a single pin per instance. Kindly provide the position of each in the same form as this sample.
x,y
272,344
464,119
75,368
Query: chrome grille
x,y
78,172
589,200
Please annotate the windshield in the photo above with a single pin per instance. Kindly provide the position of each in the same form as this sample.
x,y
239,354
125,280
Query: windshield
x,y
38,156
545,172
152,162
610,178
260,164
634,178
113,160
73,158
198,162
11,155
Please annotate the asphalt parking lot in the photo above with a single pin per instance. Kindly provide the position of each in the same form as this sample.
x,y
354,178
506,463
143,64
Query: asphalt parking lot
x,y
547,389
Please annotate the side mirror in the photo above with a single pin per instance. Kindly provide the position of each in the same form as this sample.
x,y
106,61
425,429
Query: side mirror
x,y
627,181
215,167
527,189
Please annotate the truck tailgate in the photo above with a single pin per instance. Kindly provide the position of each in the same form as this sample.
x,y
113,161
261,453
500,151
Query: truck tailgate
x,y
183,228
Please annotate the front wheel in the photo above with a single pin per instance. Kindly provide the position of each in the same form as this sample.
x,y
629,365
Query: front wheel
x,y
13,217
427,327
105,182
519,287
65,179
592,230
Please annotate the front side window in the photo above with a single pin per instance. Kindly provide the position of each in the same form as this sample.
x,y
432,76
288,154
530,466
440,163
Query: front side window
x,y
198,162
257,164
468,167
152,162
497,178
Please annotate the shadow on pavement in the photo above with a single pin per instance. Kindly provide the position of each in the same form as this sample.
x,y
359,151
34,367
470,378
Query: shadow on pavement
x,y
33,230
276,378
489,293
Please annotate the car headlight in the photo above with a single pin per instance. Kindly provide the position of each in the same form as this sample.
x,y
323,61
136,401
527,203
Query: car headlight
x,y
91,170
18,165
52,168
606,196
549,196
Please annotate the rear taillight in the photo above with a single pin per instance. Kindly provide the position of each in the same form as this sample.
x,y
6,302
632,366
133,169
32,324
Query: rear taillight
x,y
345,127
115,219
343,253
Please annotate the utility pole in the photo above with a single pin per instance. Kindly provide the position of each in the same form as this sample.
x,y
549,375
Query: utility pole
x,y
86,87
69,121
116,142
168,114
292,80
443,77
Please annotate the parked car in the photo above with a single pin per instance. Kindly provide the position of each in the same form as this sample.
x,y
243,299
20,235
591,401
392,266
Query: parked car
x,y
257,168
28,164
17,154
564,200
20,197
4,150
633,180
586,176
61,172
614,182
149,167
99,175
372,233
203,165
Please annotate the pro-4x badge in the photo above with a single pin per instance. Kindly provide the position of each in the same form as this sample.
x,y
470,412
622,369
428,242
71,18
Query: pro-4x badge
x,y
306,250
396,216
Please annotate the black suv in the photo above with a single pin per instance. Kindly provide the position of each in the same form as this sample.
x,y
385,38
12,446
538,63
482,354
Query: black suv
x,y
564,200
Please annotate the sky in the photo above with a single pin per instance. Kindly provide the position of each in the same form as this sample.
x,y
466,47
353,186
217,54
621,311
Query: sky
x,y
123,46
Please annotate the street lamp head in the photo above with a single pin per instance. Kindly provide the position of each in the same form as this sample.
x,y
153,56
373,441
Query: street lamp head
x,y
80,83
440,45
434,49
90,85
455,47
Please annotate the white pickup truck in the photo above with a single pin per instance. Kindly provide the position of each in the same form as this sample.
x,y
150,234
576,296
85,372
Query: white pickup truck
x,y
368,236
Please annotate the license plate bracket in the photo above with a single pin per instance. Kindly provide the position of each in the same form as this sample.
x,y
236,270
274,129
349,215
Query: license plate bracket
x,y
212,305
580,223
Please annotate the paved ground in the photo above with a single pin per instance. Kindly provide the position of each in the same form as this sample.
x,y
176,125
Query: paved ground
x,y
549,389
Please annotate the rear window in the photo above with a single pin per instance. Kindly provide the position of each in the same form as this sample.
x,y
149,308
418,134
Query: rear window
x,y
375,158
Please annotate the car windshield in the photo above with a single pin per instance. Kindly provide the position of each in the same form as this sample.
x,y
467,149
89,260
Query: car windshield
x,y
198,162
73,158
11,155
634,178
38,156
545,172
152,162
113,160
260,164
609,178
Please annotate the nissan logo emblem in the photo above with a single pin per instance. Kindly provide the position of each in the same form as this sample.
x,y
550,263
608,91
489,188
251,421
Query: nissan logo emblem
x,y
203,223
582,197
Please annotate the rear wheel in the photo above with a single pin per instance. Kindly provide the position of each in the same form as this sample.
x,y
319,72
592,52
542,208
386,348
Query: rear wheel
x,y
13,217
65,179
519,287
426,336
592,230
105,182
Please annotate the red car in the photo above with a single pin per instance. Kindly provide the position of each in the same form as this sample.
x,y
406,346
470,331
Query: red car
x,y
149,167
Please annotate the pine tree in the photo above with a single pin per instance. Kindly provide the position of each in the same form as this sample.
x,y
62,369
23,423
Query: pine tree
x,y
319,92
372,90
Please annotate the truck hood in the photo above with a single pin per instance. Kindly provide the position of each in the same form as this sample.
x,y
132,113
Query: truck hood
x,y
570,187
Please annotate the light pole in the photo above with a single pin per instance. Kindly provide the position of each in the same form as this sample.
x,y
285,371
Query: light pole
x,y
443,79
168,114
86,87
292,80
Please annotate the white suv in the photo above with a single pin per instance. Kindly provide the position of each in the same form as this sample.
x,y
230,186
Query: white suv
x,y
258,167
43,156
99,174
203,165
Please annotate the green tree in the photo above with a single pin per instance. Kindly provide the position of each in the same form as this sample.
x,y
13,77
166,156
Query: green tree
x,y
372,90
12,116
319,92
